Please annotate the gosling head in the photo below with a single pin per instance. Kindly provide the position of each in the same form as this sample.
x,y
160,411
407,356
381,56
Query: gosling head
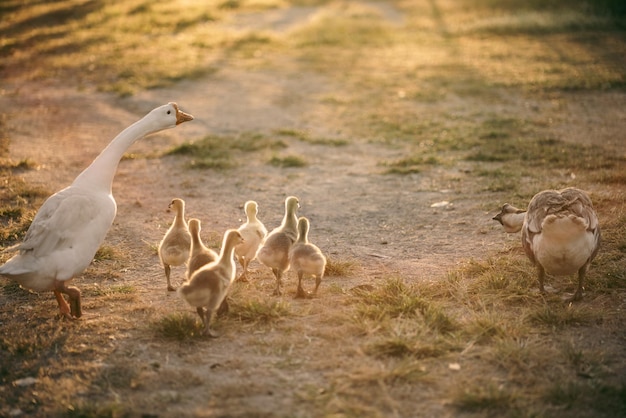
x,y
251,208
232,238
292,204
176,204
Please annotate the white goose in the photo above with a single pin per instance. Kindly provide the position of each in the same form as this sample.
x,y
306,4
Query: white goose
x,y
274,251
560,233
72,223
253,232
175,245
207,288
306,259
199,254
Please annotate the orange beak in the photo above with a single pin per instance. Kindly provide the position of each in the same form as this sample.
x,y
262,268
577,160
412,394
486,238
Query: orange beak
x,y
180,115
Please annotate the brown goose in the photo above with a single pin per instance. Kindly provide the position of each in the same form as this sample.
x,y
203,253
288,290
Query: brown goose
x,y
560,233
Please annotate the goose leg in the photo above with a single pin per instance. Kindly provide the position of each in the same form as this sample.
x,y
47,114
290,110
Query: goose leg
x,y
73,310
167,276
75,304
541,276
581,276
63,306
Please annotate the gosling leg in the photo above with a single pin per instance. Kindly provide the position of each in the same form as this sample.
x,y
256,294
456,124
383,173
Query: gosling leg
x,y
300,293
278,274
207,327
167,275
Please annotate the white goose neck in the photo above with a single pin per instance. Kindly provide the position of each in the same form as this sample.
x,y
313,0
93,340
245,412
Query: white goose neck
x,y
100,173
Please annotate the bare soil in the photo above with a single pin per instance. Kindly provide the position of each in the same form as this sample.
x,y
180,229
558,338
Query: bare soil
x,y
387,224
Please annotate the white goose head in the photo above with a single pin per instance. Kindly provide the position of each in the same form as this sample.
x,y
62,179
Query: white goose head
x,y
102,170
168,116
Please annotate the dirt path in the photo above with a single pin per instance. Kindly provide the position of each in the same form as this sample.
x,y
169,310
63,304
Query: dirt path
x,y
391,225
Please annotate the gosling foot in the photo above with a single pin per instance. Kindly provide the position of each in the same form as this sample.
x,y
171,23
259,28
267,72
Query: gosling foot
x,y
210,333
302,294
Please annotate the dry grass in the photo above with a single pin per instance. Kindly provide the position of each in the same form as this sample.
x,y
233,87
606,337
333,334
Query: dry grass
x,y
480,340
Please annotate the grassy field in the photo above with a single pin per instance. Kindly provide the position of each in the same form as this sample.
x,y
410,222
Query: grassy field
x,y
413,68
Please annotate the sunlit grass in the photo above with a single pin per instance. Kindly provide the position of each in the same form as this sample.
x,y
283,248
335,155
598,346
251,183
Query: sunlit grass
x,y
260,311
560,315
485,397
288,161
114,291
220,152
306,137
409,165
18,202
486,316
87,409
396,299
116,46
341,267
177,326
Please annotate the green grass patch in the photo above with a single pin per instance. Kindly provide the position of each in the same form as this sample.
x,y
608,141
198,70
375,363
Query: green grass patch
x,y
306,137
498,180
341,267
418,347
411,165
179,327
124,289
345,32
289,161
395,299
485,398
606,399
19,202
106,252
560,315
95,410
221,152
260,311
546,152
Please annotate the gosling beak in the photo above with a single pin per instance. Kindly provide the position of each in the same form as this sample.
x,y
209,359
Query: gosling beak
x,y
181,116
